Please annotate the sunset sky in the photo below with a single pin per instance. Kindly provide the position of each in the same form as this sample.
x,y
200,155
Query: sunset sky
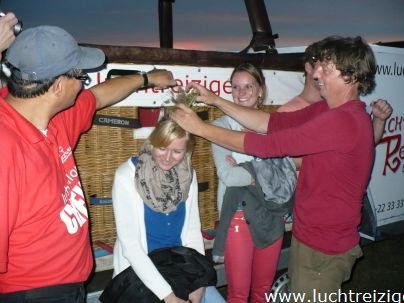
x,y
213,24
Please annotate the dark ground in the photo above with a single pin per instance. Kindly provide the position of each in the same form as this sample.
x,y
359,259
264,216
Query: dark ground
x,y
380,269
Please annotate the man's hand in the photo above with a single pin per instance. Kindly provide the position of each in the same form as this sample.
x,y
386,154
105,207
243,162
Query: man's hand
x,y
161,78
116,89
381,109
187,119
7,36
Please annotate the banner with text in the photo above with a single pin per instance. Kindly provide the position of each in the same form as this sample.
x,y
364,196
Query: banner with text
x,y
282,85
386,188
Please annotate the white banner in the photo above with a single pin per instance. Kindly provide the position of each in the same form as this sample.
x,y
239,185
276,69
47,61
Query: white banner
x,y
281,85
386,188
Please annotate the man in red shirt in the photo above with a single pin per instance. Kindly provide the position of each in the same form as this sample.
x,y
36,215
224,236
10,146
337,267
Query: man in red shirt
x,y
45,252
335,139
380,109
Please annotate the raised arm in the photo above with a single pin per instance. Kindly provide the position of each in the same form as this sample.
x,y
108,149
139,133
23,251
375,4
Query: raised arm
x,y
251,118
381,111
7,36
190,121
114,90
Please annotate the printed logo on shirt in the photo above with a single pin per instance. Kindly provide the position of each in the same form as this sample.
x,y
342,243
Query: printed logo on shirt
x,y
64,154
74,214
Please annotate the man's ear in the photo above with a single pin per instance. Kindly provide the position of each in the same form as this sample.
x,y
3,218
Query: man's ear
x,y
308,68
57,87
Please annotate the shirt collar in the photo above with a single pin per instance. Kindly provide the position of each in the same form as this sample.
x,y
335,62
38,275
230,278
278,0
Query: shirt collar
x,y
25,128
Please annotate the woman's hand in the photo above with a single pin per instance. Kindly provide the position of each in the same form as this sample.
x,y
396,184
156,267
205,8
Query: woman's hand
x,y
205,95
230,159
172,298
196,296
232,162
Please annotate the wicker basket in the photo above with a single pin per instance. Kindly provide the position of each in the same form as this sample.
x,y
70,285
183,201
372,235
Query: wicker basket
x,y
102,149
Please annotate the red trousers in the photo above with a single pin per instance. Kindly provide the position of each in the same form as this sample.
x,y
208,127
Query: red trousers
x,y
249,270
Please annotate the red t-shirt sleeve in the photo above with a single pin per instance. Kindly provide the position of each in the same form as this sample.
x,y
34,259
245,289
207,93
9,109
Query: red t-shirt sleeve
x,y
299,133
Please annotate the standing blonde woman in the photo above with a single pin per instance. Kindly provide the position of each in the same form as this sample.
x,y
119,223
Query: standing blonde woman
x,y
250,233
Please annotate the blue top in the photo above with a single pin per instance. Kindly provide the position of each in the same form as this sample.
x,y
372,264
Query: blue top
x,y
164,230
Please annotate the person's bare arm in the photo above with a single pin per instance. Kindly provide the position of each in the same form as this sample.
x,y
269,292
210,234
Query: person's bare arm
x,y
197,295
114,90
189,120
7,23
251,118
381,111
172,298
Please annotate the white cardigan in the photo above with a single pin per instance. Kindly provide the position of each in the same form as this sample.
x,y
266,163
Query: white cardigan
x,y
131,245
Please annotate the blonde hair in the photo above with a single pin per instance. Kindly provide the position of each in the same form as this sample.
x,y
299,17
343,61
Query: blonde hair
x,y
166,131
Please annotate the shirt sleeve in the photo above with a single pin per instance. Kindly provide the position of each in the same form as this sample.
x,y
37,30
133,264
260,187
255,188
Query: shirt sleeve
x,y
126,202
191,233
229,175
309,135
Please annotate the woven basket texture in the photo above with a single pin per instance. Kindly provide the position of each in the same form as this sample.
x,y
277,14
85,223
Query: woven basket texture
x,y
103,148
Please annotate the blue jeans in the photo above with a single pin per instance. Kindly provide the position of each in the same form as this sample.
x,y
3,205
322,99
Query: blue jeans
x,y
212,295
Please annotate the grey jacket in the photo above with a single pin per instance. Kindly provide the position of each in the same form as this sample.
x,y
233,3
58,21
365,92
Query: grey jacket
x,y
264,205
